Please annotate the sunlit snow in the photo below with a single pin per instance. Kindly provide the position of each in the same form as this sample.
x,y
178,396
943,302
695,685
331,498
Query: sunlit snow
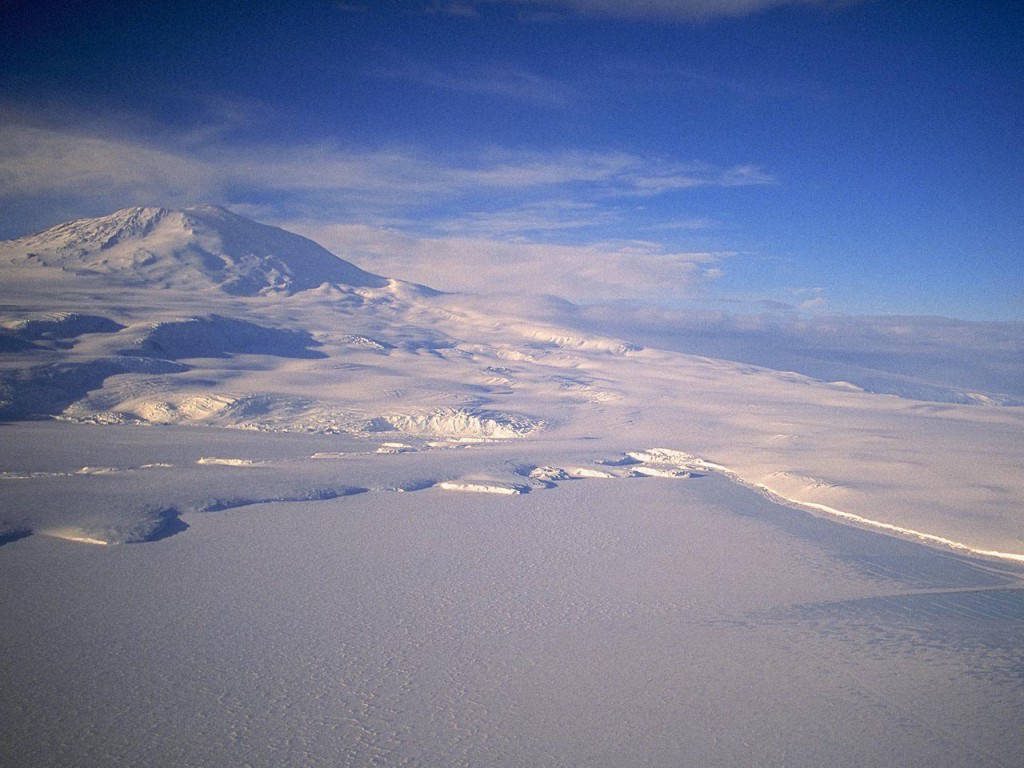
x,y
405,528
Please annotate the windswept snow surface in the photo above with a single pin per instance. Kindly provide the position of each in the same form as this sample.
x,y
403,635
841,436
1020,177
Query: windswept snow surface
x,y
367,523
604,622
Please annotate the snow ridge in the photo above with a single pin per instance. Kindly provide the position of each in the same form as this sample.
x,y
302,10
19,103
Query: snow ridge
x,y
459,422
684,462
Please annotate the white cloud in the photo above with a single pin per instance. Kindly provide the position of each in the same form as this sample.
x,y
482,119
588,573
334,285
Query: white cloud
x,y
101,166
817,303
38,161
815,298
583,272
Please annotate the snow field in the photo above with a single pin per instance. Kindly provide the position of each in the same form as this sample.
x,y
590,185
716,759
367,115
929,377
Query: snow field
x,y
366,532
598,622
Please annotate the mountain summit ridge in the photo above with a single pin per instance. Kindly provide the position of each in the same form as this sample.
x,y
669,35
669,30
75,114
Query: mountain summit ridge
x,y
187,248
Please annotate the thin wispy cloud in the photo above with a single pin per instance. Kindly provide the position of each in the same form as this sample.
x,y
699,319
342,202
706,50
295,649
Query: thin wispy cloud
x,y
656,10
35,161
683,177
501,82
540,217
462,8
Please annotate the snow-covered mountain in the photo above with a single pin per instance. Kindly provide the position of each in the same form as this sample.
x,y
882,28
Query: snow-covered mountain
x,y
191,248
200,317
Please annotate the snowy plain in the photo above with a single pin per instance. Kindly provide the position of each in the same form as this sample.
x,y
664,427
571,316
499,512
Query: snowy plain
x,y
364,522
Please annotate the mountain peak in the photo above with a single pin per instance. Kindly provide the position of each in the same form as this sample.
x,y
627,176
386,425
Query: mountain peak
x,y
189,248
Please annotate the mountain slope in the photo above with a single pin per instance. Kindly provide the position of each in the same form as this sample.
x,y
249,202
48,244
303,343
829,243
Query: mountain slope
x,y
89,332
191,248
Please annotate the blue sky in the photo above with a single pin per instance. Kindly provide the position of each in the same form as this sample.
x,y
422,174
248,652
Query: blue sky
x,y
751,155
